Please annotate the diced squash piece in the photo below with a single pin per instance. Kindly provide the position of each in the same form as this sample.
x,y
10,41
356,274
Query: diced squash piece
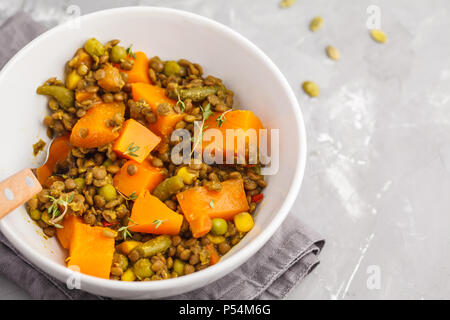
x,y
127,246
213,254
200,225
135,141
91,251
58,151
65,234
112,80
164,125
146,177
91,130
152,216
139,72
153,95
223,204
236,119
81,96
82,57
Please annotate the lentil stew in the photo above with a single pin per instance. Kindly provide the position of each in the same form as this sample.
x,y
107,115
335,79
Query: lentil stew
x,y
117,201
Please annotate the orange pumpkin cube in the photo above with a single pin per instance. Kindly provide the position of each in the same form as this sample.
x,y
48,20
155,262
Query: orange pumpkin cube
x,y
91,251
151,215
155,95
146,177
91,130
135,141
225,203
65,234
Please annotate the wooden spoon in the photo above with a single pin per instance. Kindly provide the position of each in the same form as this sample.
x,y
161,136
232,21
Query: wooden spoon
x,y
22,186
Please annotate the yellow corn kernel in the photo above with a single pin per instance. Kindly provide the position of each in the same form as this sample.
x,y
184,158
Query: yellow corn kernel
x,y
216,239
243,222
128,275
72,80
187,176
126,246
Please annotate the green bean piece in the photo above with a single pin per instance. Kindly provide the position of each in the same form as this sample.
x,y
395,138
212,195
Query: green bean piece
x,y
198,93
168,187
117,53
153,246
94,47
64,96
143,269
178,267
171,68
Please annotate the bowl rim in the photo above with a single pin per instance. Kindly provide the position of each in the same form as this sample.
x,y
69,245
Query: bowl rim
x,y
224,267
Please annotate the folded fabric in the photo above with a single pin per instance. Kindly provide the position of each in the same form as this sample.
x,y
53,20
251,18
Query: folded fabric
x,y
282,262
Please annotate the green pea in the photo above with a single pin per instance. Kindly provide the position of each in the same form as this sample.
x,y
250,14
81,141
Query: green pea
x,y
143,269
117,53
35,214
178,267
107,163
80,183
94,47
219,226
171,68
108,192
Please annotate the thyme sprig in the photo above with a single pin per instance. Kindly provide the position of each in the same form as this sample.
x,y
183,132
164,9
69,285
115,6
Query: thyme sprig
x,y
54,210
157,223
221,119
131,149
125,229
180,103
206,113
130,52
133,196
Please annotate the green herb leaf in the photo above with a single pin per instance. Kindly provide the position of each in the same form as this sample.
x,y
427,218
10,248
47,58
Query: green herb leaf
x,y
221,119
211,203
55,212
157,223
131,150
130,53
125,230
180,103
133,196
206,112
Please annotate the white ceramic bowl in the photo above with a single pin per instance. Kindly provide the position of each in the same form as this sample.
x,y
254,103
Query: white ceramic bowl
x,y
170,34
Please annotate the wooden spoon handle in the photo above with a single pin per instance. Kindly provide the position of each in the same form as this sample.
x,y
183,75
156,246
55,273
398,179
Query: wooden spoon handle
x,y
16,190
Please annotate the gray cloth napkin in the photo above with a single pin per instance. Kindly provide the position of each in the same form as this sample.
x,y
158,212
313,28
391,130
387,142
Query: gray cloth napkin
x,y
284,260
